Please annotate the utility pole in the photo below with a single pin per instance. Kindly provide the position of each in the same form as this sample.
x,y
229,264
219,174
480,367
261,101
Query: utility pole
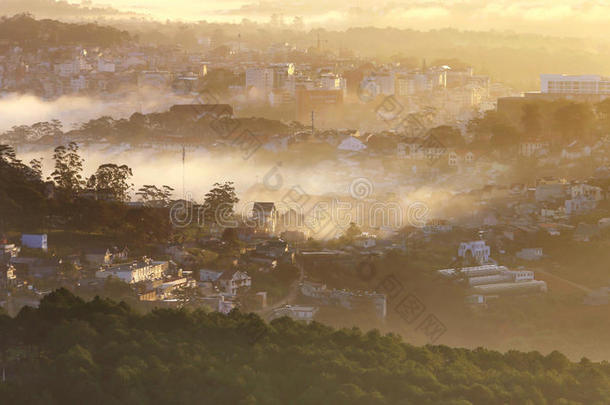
x,y
183,161
312,123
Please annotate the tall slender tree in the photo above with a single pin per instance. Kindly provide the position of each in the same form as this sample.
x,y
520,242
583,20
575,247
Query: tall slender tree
x,y
68,169
112,180
219,202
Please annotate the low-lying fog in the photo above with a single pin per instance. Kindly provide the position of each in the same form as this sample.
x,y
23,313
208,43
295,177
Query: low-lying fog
x,y
26,109
202,168
261,177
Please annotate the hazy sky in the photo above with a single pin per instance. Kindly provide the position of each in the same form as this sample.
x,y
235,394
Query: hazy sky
x,y
569,17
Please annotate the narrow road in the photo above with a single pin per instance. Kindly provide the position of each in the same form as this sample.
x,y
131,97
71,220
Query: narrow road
x,y
289,298
561,279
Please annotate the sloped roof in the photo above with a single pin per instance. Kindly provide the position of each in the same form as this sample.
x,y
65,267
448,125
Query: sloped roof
x,y
230,274
264,206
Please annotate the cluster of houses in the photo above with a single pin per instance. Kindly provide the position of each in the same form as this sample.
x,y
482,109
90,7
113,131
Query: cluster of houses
x,y
74,69
318,80
221,288
15,257
165,282
24,266
161,281
30,264
562,198
512,215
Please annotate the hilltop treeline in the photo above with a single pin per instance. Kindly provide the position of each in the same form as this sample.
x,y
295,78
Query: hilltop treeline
x,y
142,128
60,9
28,32
505,56
70,351
69,200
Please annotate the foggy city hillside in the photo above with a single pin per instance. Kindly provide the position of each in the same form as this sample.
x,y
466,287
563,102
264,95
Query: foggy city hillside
x,y
346,202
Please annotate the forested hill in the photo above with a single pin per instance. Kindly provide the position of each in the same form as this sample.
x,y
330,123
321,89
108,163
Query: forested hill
x,y
24,30
101,352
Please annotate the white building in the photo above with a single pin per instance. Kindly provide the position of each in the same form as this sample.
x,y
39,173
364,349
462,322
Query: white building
x,y
476,250
135,272
231,281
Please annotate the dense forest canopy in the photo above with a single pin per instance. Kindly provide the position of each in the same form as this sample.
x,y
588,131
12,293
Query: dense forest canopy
x,y
69,351
60,9
26,31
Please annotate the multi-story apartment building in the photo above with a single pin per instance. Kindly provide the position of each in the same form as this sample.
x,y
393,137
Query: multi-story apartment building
x,y
260,79
264,79
574,84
